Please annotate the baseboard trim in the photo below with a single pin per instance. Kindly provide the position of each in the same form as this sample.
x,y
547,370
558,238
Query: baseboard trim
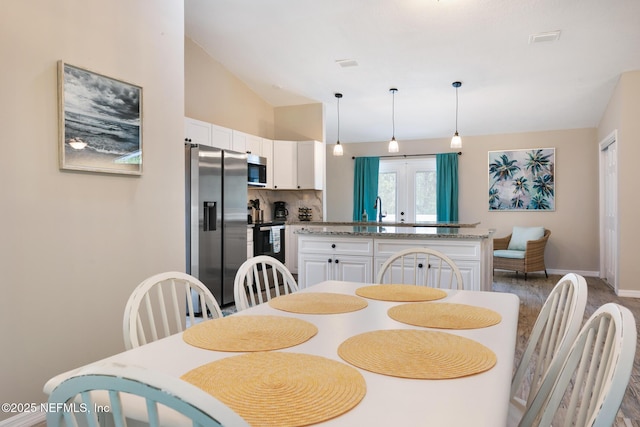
x,y
584,273
25,419
628,293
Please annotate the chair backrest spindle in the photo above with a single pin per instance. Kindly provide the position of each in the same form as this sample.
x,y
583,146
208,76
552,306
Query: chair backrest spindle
x,y
151,313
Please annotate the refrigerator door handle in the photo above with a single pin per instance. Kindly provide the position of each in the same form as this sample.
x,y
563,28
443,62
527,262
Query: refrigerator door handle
x,y
210,216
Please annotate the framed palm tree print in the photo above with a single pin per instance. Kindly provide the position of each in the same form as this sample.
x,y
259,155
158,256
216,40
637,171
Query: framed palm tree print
x,y
522,180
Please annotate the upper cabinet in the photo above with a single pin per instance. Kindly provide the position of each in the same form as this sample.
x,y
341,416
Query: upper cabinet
x,y
285,165
298,165
291,165
310,165
267,152
197,132
221,137
239,141
203,133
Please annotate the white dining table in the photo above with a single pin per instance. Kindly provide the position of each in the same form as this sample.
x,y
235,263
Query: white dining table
x,y
477,400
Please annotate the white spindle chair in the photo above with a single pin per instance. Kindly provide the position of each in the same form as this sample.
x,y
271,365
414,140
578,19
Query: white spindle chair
x,y
156,307
259,279
133,392
592,379
554,331
420,266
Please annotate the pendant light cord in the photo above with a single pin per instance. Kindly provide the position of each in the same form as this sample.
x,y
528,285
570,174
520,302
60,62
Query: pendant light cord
x,y
456,109
393,113
339,119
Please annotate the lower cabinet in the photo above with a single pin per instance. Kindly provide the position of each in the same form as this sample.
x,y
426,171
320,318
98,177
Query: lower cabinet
x,y
358,259
334,258
314,268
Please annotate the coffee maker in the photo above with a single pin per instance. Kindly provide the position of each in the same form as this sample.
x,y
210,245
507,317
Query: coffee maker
x,y
280,211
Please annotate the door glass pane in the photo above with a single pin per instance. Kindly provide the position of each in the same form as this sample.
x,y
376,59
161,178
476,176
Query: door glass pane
x,y
425,196
387,190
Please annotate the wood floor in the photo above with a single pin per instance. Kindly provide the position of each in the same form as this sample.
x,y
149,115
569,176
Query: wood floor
x,y
534,291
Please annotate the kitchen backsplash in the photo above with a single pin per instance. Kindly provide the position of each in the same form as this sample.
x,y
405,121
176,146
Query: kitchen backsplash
x,y
294,199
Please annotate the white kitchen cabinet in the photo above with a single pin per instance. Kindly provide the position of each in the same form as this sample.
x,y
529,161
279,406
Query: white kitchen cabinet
x,y
249,242
197,132
253,145
221,137
285,165
267,153
239,141
310,158
291,248
466,255
334,258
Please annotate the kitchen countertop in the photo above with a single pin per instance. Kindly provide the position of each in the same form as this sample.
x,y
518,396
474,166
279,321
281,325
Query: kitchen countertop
x,y
397,232
455,224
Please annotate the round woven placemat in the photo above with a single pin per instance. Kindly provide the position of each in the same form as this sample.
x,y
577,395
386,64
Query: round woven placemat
x,y
249,333
401,293
417,354
318,303
444,315
281,389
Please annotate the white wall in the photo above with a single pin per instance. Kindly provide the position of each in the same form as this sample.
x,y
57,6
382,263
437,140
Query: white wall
x,y
574,224
74,245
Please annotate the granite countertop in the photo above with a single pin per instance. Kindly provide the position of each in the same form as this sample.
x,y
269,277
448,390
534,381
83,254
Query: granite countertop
x,y
455,224
397,232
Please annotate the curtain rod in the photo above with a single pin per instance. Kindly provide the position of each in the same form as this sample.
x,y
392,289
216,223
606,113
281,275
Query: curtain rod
x,y
409,155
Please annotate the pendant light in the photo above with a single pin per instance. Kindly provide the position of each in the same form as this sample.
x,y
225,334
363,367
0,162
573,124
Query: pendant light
x,y
337,150
456,141
393,144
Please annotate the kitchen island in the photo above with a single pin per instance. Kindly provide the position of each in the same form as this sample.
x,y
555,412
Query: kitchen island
x,y
356,252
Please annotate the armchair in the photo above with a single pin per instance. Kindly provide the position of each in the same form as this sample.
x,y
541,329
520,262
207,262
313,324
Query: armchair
x,y
517,252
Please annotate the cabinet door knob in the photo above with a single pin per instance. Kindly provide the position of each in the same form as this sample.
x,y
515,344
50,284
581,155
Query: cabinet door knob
x,y
329,260
333,245
420,265
337,261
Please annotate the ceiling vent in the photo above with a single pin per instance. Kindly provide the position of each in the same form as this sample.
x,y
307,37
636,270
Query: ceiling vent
x,y
550,36
345,63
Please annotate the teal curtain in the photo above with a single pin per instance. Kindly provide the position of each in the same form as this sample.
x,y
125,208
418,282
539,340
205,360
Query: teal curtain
x,y
365,187
447,190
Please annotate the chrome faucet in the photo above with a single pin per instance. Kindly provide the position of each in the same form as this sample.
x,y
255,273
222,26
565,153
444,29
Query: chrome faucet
x,y
379,208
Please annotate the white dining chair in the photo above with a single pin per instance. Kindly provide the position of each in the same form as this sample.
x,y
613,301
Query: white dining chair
x,y
556,327
588,384
259,279
420,266
159,307
108,394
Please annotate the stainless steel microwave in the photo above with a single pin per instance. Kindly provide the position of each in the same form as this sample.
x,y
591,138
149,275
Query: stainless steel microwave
x,y
256,170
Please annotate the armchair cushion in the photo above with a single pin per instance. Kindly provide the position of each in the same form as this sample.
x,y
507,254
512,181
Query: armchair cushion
x,y
506,253
521,235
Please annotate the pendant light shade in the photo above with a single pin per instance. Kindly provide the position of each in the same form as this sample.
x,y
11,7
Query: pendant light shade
x,y
337,149
456,141
393,144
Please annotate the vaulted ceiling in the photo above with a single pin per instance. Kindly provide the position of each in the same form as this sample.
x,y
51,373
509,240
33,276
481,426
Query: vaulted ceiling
x,y
292,52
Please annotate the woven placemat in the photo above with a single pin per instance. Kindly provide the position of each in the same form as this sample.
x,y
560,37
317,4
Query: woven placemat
x,y
444,315
281,389
249,333
401,293
410,353
318,303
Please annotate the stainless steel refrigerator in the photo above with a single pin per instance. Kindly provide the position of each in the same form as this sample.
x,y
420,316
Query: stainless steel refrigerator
x,y
216,217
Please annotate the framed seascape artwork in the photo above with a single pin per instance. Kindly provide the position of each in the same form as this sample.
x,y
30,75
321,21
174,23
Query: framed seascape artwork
x,y
100,122
522,180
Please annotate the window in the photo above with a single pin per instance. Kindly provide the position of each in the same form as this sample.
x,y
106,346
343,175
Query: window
x,y
407,189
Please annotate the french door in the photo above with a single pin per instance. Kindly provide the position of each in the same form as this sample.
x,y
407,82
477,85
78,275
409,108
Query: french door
x,y
407,189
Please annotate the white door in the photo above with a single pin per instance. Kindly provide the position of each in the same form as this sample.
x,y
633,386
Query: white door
x,y
609,210
408,190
